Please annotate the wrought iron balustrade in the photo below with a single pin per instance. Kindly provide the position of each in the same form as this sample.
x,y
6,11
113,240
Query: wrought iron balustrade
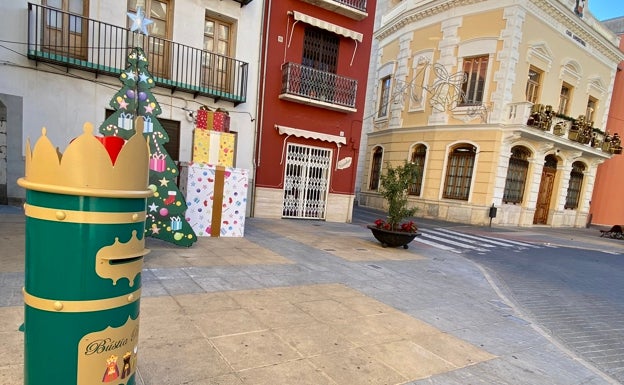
x,y
360,5
318,85
74,41
354,9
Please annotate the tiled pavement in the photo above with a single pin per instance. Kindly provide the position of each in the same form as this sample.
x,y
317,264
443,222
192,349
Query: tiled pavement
x,y
300,302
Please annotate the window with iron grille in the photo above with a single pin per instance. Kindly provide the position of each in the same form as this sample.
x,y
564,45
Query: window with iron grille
x,y
384,97
533,85
320,49
375,173
564,98
419,153
516,175
574,187
475,69
459,172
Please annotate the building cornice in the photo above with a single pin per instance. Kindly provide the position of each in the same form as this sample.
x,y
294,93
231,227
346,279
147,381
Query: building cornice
x,y
415,14
558,11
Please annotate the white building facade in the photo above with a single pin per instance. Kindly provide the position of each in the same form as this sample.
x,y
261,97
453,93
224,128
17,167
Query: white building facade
x,y
60,61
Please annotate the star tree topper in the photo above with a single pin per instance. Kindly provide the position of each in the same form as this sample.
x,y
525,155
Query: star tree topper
x,y
139,21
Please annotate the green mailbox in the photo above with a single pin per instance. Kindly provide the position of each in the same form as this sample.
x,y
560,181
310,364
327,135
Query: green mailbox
x,y
85,221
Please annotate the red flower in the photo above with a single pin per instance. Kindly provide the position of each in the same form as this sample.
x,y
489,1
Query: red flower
x,y
408,227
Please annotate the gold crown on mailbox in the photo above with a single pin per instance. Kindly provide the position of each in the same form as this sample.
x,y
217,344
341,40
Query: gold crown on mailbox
x,y
86,168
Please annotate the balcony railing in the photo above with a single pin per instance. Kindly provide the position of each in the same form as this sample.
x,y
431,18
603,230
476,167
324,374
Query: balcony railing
x,y
355,9
324,89
77,42
543,119
357,4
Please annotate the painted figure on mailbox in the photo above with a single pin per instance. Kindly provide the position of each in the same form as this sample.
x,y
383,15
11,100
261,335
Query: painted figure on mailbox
x,y
112,370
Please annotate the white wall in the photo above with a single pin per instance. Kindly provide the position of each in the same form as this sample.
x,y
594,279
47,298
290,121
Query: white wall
x,y
63,100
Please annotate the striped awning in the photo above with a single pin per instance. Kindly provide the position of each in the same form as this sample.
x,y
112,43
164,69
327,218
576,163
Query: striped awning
x,y
283,130
298,16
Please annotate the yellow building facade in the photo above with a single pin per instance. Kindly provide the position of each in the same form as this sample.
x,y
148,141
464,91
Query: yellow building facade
x,y
500,103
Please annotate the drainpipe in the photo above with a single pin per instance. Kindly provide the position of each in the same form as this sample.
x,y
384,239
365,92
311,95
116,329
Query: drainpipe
x,y
259,110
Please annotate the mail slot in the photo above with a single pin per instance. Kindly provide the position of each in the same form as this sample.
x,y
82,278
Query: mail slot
x,y
85,223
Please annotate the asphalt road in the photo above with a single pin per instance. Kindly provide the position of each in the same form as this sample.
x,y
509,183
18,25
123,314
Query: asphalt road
x,y
574,295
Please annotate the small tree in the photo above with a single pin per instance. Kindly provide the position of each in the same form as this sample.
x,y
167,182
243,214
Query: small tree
x,y
393,187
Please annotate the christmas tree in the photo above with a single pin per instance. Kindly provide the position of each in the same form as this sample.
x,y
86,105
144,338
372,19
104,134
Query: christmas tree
x,y
165,209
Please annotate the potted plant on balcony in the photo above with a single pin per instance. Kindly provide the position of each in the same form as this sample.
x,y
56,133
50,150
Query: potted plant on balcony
x,y
576,128
393,231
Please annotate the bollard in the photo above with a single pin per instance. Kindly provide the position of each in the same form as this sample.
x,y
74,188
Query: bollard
x,y
85,222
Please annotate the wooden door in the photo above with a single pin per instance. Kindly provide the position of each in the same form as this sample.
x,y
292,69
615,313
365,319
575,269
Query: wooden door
x,y
158,45
545,192
217,68
65,31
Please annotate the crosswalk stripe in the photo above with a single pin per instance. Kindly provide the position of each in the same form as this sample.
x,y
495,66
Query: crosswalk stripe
x,y
496,241
463,238
436,245
456,242
462,245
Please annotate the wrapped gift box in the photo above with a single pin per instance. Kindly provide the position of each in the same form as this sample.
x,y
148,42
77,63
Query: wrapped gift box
x,y
217,199
221,121
212,120
214,147
202,119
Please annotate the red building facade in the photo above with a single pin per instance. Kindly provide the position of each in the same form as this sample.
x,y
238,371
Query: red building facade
x,y
607,207
313,74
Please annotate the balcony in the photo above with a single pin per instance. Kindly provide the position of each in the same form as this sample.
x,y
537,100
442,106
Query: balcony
x,y
541,122
301,84
243,2
76,42
354,9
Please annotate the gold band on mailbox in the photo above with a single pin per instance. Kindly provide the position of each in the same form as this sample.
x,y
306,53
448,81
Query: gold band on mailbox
x,y
60,306
75,216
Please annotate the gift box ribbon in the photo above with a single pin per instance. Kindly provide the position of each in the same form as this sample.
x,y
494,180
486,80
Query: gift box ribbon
x,y
217,202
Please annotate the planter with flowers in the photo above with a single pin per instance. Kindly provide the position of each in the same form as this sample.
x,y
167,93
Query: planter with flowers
x,y
394,231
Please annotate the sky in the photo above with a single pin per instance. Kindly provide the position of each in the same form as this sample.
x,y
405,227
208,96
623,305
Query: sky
x,y
606,9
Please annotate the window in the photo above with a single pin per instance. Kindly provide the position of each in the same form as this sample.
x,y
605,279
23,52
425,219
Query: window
x,y
574,187
516,175
155,46
533,85
459,172
384,97
564,98
320,49
65,27
592,104
475,69
217,68
419,153
375,174
319,61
